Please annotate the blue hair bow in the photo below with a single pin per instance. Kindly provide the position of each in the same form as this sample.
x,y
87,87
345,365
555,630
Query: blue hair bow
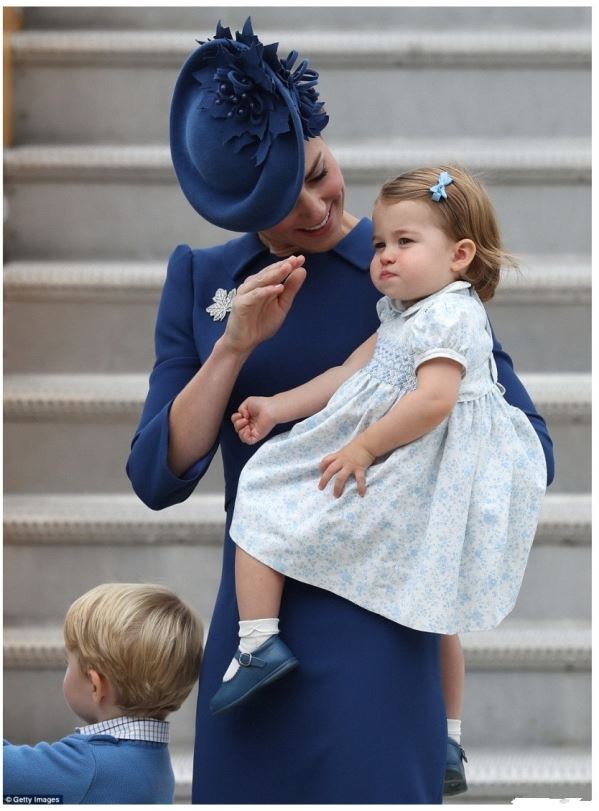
x,y
439,190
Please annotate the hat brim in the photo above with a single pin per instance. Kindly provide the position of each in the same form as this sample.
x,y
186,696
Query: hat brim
x,y
278,184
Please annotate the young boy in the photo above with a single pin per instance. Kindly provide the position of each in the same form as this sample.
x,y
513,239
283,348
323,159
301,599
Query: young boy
x,y
133,655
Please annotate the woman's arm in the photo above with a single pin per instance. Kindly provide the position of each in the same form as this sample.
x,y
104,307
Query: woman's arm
x,y
178,431
417,413
257,416
259,309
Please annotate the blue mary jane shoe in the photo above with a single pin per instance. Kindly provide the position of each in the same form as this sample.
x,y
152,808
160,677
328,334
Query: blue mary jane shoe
x,y
266,664
455,776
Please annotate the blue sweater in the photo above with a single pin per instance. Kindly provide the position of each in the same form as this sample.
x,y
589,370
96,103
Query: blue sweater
x,y
91,769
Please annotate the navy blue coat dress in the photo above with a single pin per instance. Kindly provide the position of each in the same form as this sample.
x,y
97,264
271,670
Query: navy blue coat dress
x,y
362,719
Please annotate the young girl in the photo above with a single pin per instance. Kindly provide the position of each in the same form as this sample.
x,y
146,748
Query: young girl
x,y
435,481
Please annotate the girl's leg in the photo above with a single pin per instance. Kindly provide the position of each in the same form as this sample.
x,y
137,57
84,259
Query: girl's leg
x,y
259,588
452,677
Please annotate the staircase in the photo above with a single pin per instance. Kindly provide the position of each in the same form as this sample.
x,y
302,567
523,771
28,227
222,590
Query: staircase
x,y
93,210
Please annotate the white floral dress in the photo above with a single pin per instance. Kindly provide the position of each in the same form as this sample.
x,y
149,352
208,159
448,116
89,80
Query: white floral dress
x,y
440,541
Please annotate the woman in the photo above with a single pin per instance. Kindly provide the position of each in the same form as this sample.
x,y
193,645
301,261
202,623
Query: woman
x,y
364,720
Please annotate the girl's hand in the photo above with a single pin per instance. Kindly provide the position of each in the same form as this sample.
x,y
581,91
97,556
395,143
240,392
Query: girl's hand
x,y
255,419
352,459
262,303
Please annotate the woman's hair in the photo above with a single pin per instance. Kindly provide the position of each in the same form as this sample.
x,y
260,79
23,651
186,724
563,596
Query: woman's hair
x,y
467,213
143,638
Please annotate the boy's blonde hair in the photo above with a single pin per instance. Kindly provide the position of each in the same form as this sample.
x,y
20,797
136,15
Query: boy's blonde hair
x,y
467,213
143,638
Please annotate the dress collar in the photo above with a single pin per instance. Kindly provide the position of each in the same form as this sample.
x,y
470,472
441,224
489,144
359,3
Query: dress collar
x,y
406,312
355,248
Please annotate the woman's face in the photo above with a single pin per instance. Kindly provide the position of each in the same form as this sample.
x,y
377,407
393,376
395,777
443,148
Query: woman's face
x,y
316,222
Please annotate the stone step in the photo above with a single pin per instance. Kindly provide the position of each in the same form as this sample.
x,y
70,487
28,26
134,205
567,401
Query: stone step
x,y
514,646
115,537
511,78
53,191
495,775
201,20
116,303
363,48
65,417
119,519
81,397
526,683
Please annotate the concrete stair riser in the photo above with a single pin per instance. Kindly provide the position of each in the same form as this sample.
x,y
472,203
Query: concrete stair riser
x,y
126,541
497,704
201,20
52,335
144,220
76,458
544,337
121,519
68,191
70,570
557,582
106,95
520,711
89,456
527,708
523,231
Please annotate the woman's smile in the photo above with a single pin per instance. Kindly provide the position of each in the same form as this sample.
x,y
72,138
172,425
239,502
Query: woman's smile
x,y
320,226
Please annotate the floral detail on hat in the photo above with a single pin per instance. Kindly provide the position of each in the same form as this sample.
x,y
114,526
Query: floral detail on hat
x,y
243,93
223,303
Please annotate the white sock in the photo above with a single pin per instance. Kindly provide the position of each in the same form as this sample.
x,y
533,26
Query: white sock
x,y
454,729
252,634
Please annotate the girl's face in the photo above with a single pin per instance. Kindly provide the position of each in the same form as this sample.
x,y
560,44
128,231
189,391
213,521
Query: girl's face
x,y
316,223
413,257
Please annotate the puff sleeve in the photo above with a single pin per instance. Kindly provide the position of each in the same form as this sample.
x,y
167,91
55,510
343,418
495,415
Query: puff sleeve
x,y
177,361
449,327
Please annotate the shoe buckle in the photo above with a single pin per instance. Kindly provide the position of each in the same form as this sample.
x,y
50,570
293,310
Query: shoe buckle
x,y
245,662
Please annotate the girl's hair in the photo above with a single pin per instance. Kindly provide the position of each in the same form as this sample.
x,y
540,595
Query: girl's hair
x,y
467,213
143,638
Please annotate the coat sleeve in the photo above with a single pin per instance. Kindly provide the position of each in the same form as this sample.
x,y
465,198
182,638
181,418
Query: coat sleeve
x,y
516,395
177,361
64,768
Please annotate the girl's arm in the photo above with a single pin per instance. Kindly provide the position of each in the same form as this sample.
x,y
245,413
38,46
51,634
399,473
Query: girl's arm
x,y
307,399
417,413
257,416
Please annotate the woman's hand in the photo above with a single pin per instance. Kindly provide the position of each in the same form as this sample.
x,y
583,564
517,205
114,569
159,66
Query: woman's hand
x,y
255,419
262,303
352,459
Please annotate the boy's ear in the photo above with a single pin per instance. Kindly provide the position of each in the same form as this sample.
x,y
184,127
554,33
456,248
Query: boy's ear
x,y
463,254
99,684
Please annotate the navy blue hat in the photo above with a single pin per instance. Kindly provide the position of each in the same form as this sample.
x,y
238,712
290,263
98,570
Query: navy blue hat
x,y
239,117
